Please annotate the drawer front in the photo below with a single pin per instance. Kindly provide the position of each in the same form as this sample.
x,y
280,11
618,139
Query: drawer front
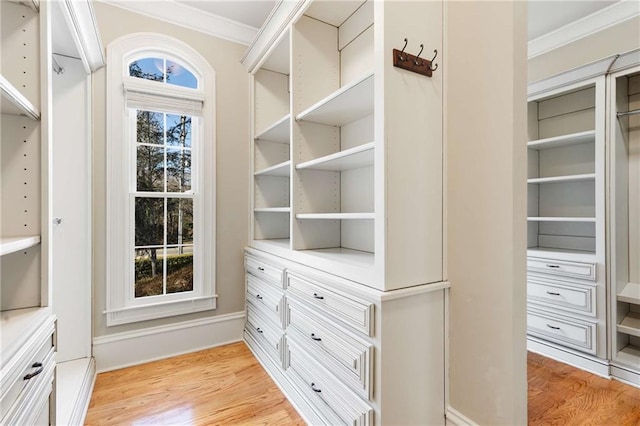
x,y
576,299
347,356
268,272
38,350
267,334
352,311
271,301
585,271
325,393
29,406
566,331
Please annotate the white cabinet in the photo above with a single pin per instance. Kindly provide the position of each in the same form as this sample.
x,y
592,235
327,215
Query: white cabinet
x,y
347,174
343,353
566,265
624,219
27,325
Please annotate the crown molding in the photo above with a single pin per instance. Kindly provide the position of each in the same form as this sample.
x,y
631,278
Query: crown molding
x,y
189,17
597,21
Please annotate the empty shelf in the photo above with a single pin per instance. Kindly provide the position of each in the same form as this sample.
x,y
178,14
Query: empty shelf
x,y
561,219
341,216
629,354
13,244
630,293
349,159
13,102
560,179
273,210
280,131
344,106
282,169
564,140
630,324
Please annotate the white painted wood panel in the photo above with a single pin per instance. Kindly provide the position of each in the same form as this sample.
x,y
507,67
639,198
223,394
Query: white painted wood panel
x,y
271,191
357,23
567,160
576,122
634,180
357,133
357,58
270,223
279,131
567,103
267,154
572,199
333,13
271,99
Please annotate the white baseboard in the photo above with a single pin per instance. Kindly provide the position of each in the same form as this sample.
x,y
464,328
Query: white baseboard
x,y
74,385
582,361
625,376
82,403
120,350
454,417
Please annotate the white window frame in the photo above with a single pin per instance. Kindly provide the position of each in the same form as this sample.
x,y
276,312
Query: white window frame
x,y
122,306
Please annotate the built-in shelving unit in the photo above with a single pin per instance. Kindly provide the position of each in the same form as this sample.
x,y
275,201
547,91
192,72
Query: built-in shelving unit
x,y
624,223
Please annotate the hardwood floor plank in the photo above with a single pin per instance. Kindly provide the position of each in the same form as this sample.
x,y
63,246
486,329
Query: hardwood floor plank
x,y
224,386
563,395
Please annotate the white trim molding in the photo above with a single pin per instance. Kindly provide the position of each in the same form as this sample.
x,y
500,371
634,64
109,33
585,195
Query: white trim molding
x,y
81,20
191,18
597,21
454,417
120,350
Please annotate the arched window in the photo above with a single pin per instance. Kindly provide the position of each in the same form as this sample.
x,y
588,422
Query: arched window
x,y
160,179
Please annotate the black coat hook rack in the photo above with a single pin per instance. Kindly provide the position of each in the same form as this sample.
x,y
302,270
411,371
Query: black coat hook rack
x,y
414,63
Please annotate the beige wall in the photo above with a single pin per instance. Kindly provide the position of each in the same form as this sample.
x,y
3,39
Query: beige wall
x,y
485,87
620,38
232,186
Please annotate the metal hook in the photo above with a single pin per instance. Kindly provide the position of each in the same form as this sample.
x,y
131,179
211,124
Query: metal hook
x,y
403,58
418,56
434,58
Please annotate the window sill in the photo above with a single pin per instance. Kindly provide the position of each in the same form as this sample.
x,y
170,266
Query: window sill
x,y
131,314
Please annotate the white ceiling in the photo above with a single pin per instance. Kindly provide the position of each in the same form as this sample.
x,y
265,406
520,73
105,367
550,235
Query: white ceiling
x,y
547,16
248,12
544,15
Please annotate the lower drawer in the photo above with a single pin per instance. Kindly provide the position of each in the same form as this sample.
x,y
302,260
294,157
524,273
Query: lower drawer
x,y
268,335
333,401
565,331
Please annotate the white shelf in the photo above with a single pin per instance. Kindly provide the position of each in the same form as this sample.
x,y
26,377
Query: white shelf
x,y
629,354
340,216
564,140
630,324
280,131
273,210
282,169
562,254
14,103
13,244
340,255
273,244
349,159
630,293
561,219
344,106
561,179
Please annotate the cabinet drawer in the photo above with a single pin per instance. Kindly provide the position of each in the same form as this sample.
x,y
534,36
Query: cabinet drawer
x,y
30,404
269,272
585,271
352,311
263,295
566,331
578,299
267,334
18,373
335,402
347,356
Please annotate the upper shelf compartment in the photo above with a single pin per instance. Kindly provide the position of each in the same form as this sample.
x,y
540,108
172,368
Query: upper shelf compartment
x,y
280,131
564,140
346,105
15,103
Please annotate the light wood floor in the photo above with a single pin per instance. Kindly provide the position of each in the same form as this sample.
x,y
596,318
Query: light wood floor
x,y
562,395
227,386
220,386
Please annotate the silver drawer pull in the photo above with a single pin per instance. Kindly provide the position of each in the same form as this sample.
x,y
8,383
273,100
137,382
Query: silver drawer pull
x,y
317,296
258,330
552,266
314,388
313,336
39,367
258,297
260,268
553,327
553,293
